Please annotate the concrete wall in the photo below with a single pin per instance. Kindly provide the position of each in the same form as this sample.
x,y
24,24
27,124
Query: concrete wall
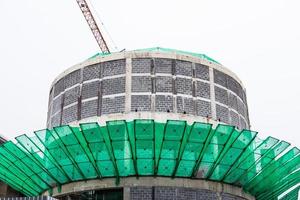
x,y
27,198
159,188
148,82
178,193
7,191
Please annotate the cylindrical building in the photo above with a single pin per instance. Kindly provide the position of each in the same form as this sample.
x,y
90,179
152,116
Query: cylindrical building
x,y
151,124
155,83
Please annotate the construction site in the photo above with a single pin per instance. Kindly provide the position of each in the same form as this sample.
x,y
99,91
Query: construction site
x,y
153,123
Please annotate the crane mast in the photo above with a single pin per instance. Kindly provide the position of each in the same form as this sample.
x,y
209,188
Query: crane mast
x,y
93,25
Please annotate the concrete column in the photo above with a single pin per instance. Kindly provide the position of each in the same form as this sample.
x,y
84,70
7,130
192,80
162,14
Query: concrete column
x,y
219,196
126,193
128,85
212,93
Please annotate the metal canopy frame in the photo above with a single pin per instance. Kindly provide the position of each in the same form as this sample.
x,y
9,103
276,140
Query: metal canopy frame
x,y
263,168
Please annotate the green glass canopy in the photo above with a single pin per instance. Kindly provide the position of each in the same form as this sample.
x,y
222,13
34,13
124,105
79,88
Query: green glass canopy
x,y
292,195
263,168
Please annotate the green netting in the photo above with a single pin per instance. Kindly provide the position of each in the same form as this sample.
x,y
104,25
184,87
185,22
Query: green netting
x,y
147,148
165,50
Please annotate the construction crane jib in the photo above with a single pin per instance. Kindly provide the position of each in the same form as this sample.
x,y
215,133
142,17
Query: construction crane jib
x,y
93,25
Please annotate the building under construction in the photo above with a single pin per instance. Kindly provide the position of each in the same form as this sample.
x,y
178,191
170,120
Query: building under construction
x,y
148,124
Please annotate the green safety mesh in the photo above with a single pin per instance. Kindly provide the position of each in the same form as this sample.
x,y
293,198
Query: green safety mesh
x,y
264,168
165,50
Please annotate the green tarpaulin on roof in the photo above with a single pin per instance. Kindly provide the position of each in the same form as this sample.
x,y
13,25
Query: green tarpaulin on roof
x,y
165,50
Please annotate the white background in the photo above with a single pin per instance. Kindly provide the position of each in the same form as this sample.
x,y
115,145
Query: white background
x,y
258,40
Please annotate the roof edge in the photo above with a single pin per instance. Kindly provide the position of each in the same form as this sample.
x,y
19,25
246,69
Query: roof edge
x,y
163,50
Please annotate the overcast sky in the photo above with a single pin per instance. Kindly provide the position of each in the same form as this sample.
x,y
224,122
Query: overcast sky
x,y
258,40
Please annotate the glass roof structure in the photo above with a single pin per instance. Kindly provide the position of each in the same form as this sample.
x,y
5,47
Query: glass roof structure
x,y
264,168
294,194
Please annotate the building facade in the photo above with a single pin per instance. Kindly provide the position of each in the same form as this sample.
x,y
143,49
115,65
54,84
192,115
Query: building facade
x,y
149,124
164,83
157,84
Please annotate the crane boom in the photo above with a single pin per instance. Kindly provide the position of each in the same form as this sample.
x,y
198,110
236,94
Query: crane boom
x,y
93,25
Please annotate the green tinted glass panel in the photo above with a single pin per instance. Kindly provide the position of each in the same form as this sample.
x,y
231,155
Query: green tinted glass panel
x,y
222,134
106,168
145,166
192,151
51,158
144,129
185,168
125,167
99,151
170,149
88,170
174,130
92,132
122,149
251,155
166,167
117,130
199,132
66,135
212,152
292,194
230,154
144,149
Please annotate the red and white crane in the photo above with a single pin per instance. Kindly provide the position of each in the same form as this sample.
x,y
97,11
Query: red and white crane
x,y
84,7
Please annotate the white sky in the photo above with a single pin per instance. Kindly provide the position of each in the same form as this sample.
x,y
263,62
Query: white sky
x,y
258,40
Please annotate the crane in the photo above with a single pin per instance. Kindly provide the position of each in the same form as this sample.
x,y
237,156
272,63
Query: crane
x,y
93,25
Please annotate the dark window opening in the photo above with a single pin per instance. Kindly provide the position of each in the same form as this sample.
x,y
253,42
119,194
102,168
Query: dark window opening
x,y
113,194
